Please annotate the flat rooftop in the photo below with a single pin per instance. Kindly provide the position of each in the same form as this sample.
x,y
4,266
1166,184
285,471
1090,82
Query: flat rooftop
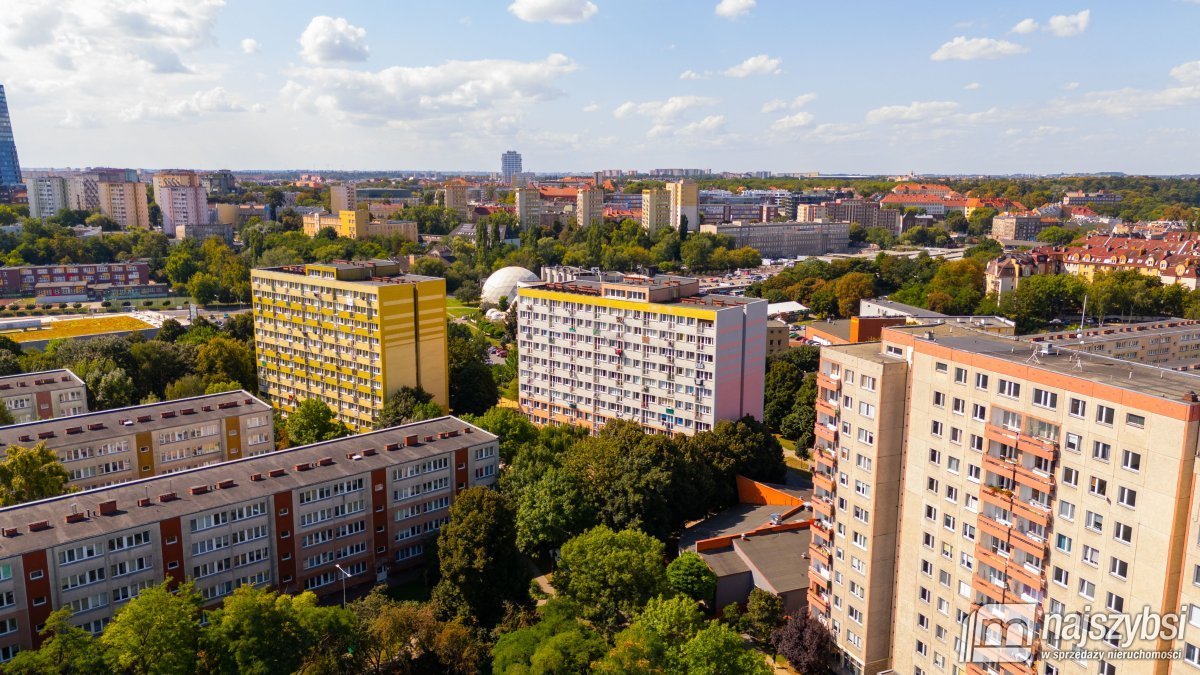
x,y
365,272
1137,377
349,456
593,286
734,521
139,418
780,559
32,383
1117,332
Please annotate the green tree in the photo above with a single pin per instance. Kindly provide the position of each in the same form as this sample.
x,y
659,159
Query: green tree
x,y
221,359
1056,236
481,569
66,650
158,632
744,447
764,613
551,511
29,474
111,389
472,388
851,288
204,287
690,575
9,363
6,417
798,424
558,643
170,331
185,387
717,650
406,404
610,575
512,428
313,422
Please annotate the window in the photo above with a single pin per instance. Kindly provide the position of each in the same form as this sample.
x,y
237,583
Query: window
x,y
935,457
960,375
952,464
1118,568
1070,476
1131,461
1105,415
1136,421
1066,510
1008,388
866,409
1091,556
1093,521
1063,543
981,381
978,412
866,437
1087,589
1061,577
939,399
1098,486
1101,451
1122,533
1045,399
867,382
1126,496
1114,602
937,428
1073,442
973,472
1077,408
941,367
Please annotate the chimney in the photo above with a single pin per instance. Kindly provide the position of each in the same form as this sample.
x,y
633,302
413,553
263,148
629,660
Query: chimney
x,y
144,501
199,489
167,497
108,508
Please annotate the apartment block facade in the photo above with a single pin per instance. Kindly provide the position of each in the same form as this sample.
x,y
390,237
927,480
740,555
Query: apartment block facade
x,y
181,196
47,196
528,203
685,203
43,395
656,209
24,280
368,504
358,225
1031,474
115,446
589,206
126,202
649,350
349,334
786,240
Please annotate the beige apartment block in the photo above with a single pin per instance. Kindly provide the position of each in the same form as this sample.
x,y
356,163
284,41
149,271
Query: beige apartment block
x,y
367,504
1043,476
858,464
43,395
124,444
656,209
589,206
125,202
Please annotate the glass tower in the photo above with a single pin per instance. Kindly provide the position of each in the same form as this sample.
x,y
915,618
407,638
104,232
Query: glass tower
x,y
10,168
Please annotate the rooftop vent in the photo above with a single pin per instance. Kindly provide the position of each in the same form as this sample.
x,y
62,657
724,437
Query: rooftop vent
x,y
276,473
108,508
143,501
256,477
39,526
167,497
199,489
226,484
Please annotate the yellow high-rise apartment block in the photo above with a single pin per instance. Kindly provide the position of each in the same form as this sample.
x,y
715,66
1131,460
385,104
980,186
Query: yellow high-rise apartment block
x,y
349,334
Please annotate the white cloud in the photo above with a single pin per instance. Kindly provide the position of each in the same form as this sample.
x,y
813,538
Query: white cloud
x,y
591,107
1069,25
215,100
82,120
791,122
713,124
732,9
1071,86
662,111
775,105
693,75
756,65
836,133
1187,72
963,48
330,40
917,111
1025,27
250,46
553,11
403,97
972,86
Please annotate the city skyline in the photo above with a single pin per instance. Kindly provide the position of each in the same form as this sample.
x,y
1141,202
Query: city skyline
x,y
1014,88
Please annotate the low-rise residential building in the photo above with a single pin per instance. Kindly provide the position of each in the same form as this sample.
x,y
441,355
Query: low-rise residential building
x,y
1020,226
652,350
358,225
786,240
777,336
43,395
25,280
124,444
203,231
1102,197
1004,273
353,510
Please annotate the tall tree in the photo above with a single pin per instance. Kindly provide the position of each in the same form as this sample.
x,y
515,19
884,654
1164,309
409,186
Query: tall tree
x,y
407,404
610,575
472,387
156,633
66,650
807,645
717,650
481,568
690,575
551,511
764,613
312,422
29,474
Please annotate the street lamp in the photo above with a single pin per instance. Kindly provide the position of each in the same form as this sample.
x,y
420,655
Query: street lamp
x,y
345,575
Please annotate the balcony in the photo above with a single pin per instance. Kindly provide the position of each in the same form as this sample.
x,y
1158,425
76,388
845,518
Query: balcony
x,y
818,600
827,432
824,482
823,526
826,382
821,555
828,407
1035,512
990,590
822,506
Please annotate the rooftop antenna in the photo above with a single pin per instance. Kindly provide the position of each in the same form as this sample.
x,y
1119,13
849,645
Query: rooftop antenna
x,y
1083,318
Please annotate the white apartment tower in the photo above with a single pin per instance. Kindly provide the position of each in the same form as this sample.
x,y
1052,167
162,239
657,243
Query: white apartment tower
x,y
182,198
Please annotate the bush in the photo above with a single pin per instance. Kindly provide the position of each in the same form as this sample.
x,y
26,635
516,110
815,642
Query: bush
x,y
106,303
62,305
77,305
30,305
37,312
166,303
147,303
126,303
20,312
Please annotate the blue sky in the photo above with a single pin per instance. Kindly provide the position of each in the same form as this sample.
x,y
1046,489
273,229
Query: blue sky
x,y
783,85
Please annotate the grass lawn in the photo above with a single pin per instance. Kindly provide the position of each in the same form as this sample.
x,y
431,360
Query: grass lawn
x,y
457,310
69,328
787,444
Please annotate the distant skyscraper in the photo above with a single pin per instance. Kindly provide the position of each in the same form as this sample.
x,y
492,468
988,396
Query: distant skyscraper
x,y
510,163
10,168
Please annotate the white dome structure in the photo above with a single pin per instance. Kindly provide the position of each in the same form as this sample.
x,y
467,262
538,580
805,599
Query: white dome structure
x,y
504,283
